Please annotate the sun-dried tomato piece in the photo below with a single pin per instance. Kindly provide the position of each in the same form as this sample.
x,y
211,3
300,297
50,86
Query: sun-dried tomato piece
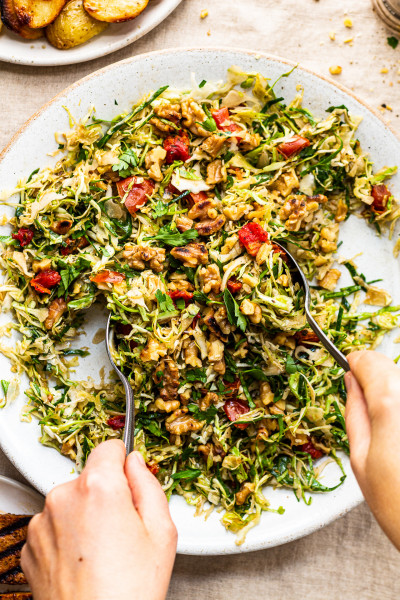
x,y
108,277
73,245
306,335
311,450
171,189
196,198
137,192
223,121
233,285
234,409
231,388
181,295
177,147
24,236
252,236
381,196
293,146
43,282
117,422
153,467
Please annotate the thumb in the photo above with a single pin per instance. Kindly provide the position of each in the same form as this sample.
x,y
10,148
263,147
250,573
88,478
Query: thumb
x,y
358,427
147,494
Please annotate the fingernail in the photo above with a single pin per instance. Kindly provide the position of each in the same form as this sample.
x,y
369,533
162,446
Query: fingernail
x,y
139,458
348,380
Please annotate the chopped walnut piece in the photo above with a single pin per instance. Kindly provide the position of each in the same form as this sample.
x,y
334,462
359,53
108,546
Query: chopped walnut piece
x,y
184,224
220,366
236,212
153,161
191,353
180,422
62,227
41,265
215,349
166,373
266,395
210,321
193,115
249,141
191,255
166,405
56,309
210,279
328,238
200,209
207,400
213,144
216,172
244,492
286,183
170,112
153,350
298,209
180,283
221,317
214,450
210,226
251,310
137,256
330,280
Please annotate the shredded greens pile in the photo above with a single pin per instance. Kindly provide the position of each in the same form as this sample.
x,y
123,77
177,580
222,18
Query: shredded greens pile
x,y
168,214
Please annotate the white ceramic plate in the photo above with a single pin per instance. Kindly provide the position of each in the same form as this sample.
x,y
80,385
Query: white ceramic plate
x,y
18,499
15,49
126,81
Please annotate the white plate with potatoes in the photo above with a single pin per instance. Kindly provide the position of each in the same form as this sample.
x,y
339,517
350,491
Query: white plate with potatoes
x,y
63,32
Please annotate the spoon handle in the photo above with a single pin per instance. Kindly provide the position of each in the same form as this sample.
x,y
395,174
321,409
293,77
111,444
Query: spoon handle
x,y
326,342
129,431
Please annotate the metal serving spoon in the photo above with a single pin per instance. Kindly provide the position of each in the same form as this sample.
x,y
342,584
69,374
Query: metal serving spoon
x,y
326,342
128,437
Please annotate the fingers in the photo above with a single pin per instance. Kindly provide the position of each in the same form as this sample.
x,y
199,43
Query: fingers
x,y
147,495
108,455
358,426
379,378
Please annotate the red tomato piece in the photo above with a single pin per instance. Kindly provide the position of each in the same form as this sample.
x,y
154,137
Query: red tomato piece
x,y
231,389
311,450
108,277
234,409
381,196
252,236
117,422
223,121
171,189
181,294
233,285
43,282
306,335
24,236
135,193
196,198
293,146
177,147
153,467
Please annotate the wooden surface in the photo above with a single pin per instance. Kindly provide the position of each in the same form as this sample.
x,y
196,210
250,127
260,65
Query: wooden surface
x,y
351,559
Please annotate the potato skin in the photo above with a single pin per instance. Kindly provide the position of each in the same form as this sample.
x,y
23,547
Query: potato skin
x,y
73,26
115,11
10,19
38,13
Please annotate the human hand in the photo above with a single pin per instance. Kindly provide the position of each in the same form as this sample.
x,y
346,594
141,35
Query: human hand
x,y
108,535
373,427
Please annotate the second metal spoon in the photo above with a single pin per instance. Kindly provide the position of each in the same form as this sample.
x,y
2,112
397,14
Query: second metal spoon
x,y
326,342
128,437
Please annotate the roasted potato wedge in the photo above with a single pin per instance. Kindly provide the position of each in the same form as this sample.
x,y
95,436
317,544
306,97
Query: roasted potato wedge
x,y
11,21
114,11
73,26
38,13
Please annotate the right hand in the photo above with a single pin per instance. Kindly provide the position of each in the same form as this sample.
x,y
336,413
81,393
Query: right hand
x,y
373,427
108,535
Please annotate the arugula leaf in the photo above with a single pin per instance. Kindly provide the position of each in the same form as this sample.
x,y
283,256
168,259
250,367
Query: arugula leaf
x,y
188,474
149,423
165,302
71,272
196,374
235,317
172,238
206,415
393,42
127,162
255,374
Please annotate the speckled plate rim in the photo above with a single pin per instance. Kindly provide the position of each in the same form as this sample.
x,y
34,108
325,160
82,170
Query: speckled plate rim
x,y
299,529
29,492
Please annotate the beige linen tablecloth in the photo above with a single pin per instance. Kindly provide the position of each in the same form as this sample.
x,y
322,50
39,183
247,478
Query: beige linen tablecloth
x,y
351,559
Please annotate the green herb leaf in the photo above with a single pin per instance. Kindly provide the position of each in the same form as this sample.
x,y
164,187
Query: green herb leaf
x,y
188,474
235,317
127,162
290,365
196,374
202,84
172,238
5,385
165,302
393,42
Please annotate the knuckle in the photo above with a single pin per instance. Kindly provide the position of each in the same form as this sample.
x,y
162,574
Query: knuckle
x,y
94,482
